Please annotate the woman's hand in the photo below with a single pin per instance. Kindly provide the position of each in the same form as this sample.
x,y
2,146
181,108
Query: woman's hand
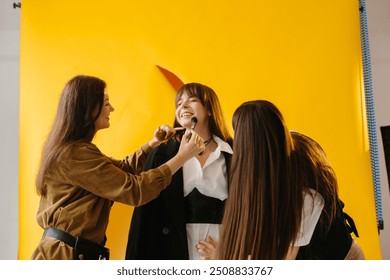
x,y
191,145
162,134
208,248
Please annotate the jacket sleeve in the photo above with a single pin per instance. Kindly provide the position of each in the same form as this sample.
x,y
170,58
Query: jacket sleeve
x,y
134,163
87,168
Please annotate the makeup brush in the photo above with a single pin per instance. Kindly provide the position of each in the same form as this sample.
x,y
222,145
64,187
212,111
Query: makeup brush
x,y
194,121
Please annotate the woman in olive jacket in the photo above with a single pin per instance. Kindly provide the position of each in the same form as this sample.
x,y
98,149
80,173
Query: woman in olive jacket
x,y
78,184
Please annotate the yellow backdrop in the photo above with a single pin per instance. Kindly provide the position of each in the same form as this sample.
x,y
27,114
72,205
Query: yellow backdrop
x,y
303,55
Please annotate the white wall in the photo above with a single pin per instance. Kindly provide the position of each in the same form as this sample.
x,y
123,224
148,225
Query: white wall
x,y
378,18
9,128
378,14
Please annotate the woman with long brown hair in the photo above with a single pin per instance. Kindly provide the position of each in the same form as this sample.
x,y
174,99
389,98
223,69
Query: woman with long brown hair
x,y
269,214
332,238
78,184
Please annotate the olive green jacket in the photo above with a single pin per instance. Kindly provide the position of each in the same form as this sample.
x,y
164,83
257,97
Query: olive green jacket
x,y
81,188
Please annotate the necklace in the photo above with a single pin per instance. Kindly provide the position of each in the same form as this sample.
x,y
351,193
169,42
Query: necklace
x,y
206,143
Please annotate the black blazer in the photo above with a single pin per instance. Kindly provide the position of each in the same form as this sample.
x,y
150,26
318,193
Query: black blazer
x,y
158,229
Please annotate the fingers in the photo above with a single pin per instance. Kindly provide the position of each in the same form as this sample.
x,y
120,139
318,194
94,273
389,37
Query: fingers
x,y
206,254
187,135
159,134
164,133
207,248
193,136
207,244
191,145
210,240
202,249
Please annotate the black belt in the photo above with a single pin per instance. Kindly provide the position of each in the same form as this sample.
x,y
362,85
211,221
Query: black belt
x,y
83,249
60,235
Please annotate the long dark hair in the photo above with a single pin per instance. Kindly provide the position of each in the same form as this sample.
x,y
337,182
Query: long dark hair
x,y
263,211
80,104
210,101
315,171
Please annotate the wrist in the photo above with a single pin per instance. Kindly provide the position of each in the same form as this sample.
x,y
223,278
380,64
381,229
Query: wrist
x,y
154,143
180,159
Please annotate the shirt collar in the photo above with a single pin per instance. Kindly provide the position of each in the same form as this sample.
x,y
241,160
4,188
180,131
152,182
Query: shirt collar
x,y
223,145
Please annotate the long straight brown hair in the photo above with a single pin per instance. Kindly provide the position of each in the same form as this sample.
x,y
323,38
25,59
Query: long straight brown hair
x,y
263,211
210,101
315,171
79,106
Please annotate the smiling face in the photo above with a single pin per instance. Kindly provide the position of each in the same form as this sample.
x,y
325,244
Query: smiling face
x,y
188,107
103,121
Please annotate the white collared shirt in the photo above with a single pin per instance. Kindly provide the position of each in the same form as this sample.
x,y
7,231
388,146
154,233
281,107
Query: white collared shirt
x,y
210,180
312,208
